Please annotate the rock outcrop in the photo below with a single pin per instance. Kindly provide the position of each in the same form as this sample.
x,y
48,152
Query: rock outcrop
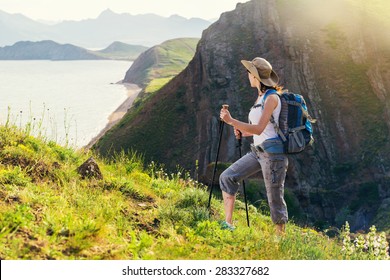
x,y
90,169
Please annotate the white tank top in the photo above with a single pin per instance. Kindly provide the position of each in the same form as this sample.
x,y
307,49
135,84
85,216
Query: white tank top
x,y
254,118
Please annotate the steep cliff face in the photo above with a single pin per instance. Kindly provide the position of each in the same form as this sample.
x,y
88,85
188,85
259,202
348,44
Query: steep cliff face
x,y
332,53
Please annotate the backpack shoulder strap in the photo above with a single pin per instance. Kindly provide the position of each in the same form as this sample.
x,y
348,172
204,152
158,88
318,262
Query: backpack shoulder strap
x,y
272,120
277,129
268,93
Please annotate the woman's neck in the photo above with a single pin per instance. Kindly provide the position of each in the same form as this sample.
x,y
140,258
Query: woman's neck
x,y
259,92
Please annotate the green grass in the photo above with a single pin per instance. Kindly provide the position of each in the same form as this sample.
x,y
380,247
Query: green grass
x,y
164,61
47,211
156,84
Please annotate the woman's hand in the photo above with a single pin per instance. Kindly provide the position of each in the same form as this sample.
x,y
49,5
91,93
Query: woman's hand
x,y
239,134
225,116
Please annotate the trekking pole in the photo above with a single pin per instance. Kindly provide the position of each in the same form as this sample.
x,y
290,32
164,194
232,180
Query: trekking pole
x,y
243,181
221,124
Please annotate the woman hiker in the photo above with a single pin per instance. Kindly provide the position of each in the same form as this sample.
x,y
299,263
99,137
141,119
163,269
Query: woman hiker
x,y
272,165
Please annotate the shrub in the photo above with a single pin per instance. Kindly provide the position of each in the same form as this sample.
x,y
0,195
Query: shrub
x,y
372,246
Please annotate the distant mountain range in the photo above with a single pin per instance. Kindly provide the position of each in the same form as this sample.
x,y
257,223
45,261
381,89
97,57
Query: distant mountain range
x,y
50,50
147,30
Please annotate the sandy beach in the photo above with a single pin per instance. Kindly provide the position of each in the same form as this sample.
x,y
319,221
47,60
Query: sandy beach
x,y
132,92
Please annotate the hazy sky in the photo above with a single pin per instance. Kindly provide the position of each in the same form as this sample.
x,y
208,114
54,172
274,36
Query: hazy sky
x,y
55,10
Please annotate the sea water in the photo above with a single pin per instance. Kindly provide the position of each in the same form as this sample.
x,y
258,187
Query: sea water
x,y
64,101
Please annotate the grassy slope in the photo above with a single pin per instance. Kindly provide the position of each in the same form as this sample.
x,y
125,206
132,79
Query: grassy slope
x,y
48,212
172,57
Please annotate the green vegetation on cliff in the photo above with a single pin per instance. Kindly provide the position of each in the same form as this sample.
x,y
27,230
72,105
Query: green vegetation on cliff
x,y
159,64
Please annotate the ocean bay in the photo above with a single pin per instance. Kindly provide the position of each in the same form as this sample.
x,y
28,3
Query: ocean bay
x,y
69,102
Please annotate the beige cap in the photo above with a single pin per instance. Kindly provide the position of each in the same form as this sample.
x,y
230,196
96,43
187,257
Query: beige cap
x,y
262,70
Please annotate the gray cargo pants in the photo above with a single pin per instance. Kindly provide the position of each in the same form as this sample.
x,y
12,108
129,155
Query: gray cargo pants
x,y
273,167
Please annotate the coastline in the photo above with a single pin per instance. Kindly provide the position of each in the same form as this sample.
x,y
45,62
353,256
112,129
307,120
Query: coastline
x,y
132,92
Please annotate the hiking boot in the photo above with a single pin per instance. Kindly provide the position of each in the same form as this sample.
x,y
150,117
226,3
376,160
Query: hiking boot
x,y
227,226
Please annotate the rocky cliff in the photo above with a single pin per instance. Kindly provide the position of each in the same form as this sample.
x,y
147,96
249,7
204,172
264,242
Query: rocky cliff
x,y
336,54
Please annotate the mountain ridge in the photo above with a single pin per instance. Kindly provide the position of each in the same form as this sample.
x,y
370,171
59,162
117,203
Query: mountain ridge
x,y
101,31
50,50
